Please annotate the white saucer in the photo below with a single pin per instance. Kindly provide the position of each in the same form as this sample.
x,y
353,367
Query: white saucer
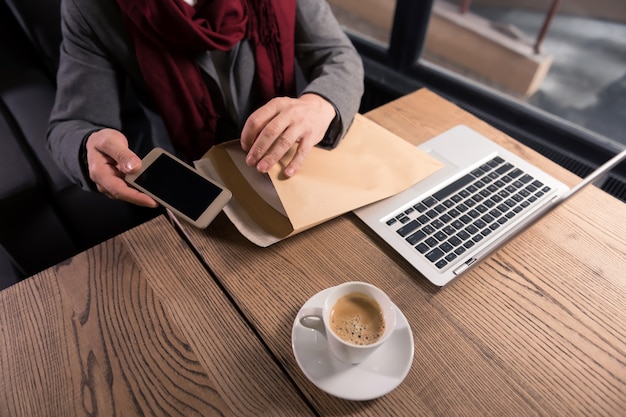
x,y
379,374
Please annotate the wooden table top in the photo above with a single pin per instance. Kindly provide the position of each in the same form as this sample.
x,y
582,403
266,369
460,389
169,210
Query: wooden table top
x,y
537,329
135,326
152,323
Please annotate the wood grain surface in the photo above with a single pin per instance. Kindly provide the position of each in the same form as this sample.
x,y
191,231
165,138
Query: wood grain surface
x,y
537,329
118,331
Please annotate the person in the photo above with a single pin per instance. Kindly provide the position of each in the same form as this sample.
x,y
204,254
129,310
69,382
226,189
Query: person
x,y
201,72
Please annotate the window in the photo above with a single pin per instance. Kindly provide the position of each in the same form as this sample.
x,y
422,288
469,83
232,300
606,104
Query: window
x,y
560,89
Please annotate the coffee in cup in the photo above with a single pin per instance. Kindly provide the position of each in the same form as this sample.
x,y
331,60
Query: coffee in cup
x,y
358,319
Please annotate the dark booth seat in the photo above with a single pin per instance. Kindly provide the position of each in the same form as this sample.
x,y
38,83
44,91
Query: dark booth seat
x,y
45,218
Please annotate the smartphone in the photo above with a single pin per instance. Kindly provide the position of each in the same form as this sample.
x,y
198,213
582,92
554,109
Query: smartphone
x,y
174,184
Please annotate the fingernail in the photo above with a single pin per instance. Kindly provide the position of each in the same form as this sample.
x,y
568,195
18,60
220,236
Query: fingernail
x,y
290,172
250,160
130,164
263,166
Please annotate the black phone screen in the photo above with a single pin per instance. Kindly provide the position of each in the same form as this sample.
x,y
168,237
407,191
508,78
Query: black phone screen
x,y
179,186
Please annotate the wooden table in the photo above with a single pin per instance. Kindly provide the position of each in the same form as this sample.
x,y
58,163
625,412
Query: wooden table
x,y
139,325
135,326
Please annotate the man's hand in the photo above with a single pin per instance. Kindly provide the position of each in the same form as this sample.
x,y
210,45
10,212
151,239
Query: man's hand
x,y
272,130
109,159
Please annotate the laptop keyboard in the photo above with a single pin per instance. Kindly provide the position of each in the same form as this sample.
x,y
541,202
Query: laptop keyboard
x,y
446,224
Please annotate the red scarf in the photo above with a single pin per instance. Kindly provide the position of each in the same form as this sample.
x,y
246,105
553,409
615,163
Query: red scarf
x,y
169,34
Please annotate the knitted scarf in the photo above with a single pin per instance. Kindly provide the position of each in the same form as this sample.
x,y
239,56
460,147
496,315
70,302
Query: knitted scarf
x,y
168,35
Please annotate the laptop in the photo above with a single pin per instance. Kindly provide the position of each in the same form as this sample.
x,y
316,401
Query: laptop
x,y
479,199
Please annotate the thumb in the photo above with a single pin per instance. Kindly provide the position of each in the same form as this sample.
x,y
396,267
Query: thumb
x,y
128,162
114,145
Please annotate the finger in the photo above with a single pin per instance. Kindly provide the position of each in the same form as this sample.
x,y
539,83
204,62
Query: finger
x,y
302,151
114,145
278,148
258,120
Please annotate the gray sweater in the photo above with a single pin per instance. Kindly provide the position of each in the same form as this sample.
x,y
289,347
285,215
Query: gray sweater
x,y
98,65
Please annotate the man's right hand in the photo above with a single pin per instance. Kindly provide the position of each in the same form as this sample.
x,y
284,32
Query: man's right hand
x,y
109,159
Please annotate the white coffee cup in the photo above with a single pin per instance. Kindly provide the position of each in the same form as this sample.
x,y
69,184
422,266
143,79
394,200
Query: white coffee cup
x,y
357,303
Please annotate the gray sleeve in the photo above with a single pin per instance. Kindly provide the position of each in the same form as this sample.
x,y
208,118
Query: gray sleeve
x,y
330,63
87,97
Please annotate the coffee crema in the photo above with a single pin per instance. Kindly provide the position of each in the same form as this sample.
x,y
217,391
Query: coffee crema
x,y
358,319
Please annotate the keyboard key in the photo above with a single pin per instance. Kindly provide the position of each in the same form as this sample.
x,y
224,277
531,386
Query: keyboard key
x,y
526,179
434,254
437,224
471,229
429,202
458,225
423,219
495,212
449,230
408,228
416,237
446,247
454,187
479,224
441,263
432,242
504,168
428,229
422,248
487,218
463,235
481,208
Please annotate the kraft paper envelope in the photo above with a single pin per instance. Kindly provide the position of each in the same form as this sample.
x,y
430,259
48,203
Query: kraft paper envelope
x,y
369,164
